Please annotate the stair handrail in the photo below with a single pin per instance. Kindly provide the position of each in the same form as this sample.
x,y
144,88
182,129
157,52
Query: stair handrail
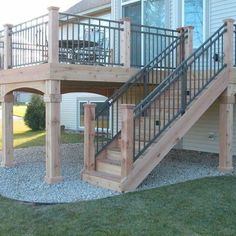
x,y
211,49
158,63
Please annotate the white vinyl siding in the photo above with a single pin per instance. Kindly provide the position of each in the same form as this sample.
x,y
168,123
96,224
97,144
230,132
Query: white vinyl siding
x,y
69,111
70,108
220,10
204,135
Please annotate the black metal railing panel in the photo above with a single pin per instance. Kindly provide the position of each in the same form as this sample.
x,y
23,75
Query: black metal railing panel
x,y
1,49
173,96
108,119
88,40
30,42
148,41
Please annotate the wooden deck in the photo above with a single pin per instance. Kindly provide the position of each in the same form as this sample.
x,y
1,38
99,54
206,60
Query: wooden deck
x,y
73,78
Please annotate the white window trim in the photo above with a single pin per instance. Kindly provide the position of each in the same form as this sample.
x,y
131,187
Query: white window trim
x,y
87,100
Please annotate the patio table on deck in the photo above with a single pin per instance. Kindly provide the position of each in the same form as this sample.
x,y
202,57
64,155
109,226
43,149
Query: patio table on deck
x,y
81,51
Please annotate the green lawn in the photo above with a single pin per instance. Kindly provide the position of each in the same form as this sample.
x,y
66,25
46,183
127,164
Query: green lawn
x,y
200,207
19,110
24,137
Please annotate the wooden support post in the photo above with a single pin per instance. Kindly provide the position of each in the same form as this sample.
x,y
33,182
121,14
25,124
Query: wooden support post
x,y
53,99
125,43
227,101
53,35
89,134
127,133
7,46
7,130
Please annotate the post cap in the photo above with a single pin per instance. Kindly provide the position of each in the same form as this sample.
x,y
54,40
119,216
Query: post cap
x,y
89,105
229,20
126,19
8,26
53,8
185,27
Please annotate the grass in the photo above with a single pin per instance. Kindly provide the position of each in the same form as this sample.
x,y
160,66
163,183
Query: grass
x,y
19,110
24,137
199,207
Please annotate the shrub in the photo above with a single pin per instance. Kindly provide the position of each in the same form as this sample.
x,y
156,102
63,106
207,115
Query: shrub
x,y
35,113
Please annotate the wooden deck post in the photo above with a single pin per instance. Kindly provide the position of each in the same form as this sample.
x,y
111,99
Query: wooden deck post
x,y
127,133
7,46
53,99
227,101
125,43
7,130
89,134
53,35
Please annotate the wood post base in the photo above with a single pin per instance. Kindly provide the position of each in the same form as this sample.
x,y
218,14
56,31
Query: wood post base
x,y
7,165
53,180
225,169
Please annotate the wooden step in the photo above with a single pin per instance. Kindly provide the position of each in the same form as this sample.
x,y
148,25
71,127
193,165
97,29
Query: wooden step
x,y
109,166
103,180
114,153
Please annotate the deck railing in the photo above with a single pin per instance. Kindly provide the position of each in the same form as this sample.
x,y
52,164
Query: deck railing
x,y
108,123
88,40
174,95
84,40
148,42
30,42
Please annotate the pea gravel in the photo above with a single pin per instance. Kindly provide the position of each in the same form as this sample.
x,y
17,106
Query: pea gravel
x,y
24,181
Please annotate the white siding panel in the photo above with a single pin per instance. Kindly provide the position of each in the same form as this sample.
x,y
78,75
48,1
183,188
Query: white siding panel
x,y
220,10
69,111
198,137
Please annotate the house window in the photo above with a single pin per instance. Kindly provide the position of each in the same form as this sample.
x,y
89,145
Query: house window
x,y
193,15
154,13
101,123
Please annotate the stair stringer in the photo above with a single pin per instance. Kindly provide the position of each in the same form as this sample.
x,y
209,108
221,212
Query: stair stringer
x,y
159,149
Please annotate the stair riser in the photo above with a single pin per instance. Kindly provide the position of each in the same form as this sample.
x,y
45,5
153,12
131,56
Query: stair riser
x,y
108,168
113,155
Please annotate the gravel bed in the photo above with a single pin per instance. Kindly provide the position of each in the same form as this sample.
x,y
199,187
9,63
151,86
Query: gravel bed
x,y
24,181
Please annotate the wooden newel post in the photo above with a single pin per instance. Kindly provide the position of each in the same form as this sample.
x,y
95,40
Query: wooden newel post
x,y
125,55
186,44
89,135
7,46
127,133
53,35
228,43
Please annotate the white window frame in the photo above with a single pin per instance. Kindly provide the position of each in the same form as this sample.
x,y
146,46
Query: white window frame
x,y
80,100
205,19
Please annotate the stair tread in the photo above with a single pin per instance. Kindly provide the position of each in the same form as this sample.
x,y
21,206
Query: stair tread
x,y
104,175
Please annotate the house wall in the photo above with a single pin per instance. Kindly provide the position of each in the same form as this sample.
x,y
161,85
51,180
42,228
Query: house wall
x,y
70,108
204,135
220,10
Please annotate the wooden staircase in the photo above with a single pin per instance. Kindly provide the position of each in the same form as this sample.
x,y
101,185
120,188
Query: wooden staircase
x,y
107,172
151,128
